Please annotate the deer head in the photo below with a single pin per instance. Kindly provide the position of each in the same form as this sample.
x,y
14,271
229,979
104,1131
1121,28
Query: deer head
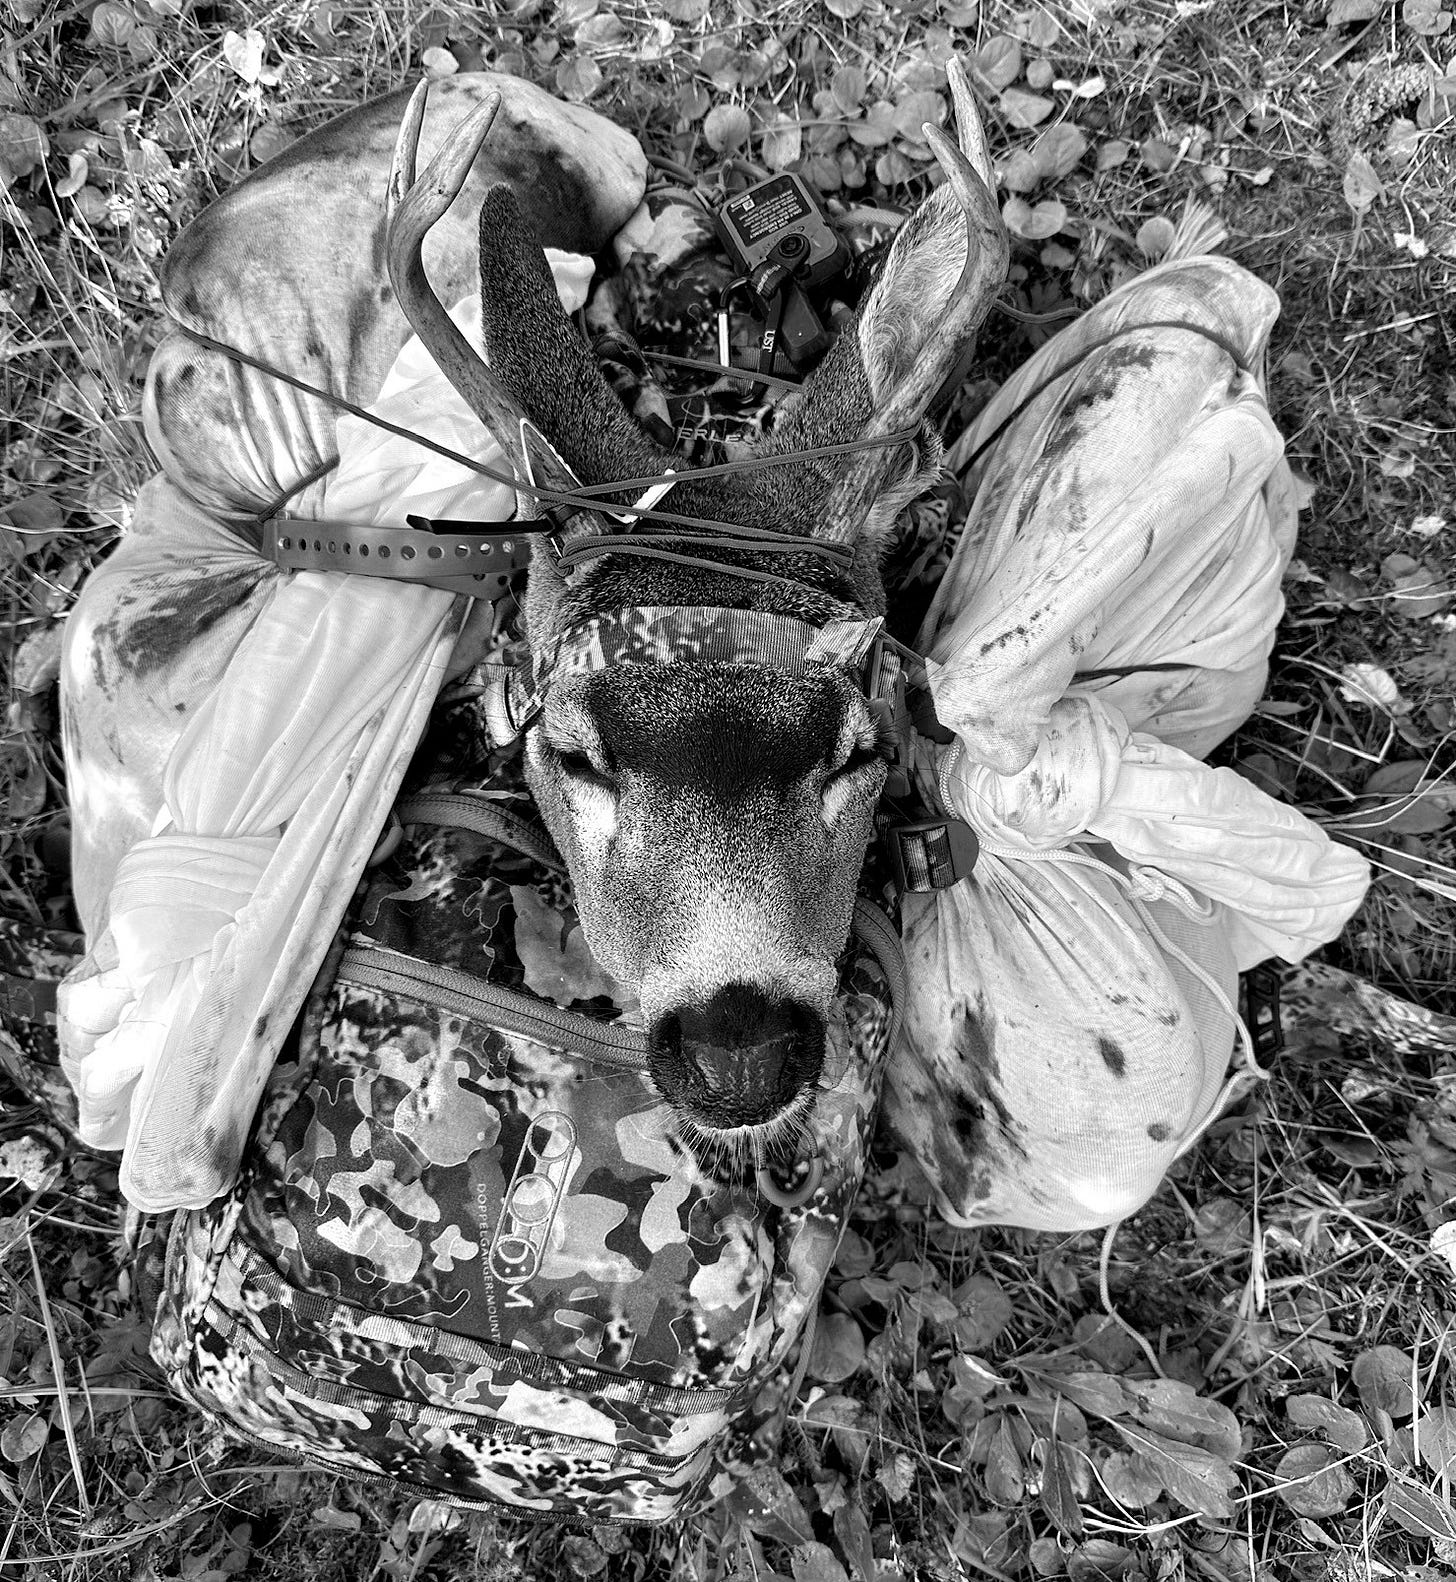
x,y
714,806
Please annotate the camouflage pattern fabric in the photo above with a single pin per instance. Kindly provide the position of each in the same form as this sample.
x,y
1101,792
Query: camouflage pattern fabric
x,y
472,1252
664,634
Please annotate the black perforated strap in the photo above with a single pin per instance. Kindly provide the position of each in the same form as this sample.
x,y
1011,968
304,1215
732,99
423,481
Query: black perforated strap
x,y
475,561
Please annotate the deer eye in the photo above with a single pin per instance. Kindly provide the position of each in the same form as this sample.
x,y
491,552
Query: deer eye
x,y
860,759
579,765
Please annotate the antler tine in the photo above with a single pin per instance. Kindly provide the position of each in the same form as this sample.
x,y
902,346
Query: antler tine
x,y
988,249
411,207
968,124
969,175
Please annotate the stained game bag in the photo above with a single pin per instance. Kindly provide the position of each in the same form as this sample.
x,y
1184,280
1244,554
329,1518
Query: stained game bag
x,y
468,1251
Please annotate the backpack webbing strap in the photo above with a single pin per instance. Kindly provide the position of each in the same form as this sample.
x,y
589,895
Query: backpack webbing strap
x,y
464,811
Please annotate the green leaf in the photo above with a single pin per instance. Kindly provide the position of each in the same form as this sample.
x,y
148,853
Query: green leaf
x,y
1155,236
855,1256
817,1563
1311,1482
838,1352
1099,1559
1170,1407
1343,1428
727,128
23,146
23,1437
1130,1480
1022,108
1113,154
1425,17
1019,172
1058,1497
998,62
1383,1377
878,126
1342,11
578,78
1034,224
1436,1439
1099,1393
1059,150
782,143
1047,1412
765,1502
892,168
693,101
852,1529
1415,1509
1398,778
847,86
1005,1481
985,1311
1195,1478
111,25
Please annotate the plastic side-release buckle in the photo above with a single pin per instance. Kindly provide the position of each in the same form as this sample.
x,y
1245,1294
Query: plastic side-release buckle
x,y
932,854
1259,992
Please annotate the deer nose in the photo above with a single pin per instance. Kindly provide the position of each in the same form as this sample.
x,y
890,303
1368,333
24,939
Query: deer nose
x,y
738,1059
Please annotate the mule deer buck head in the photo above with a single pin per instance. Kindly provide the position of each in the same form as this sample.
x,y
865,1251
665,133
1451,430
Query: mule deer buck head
x,y
713,804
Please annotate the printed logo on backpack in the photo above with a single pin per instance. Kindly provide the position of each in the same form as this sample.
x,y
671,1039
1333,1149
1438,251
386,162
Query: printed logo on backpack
x,y
469,1252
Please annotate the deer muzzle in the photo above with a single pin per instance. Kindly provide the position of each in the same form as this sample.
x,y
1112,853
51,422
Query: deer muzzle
x,y
738,1060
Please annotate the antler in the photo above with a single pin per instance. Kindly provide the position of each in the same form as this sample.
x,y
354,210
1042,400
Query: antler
x,y
969,175
411,208
911,331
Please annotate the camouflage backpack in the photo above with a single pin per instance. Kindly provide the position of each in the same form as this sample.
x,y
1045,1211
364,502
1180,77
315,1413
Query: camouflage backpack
x,y
469,1252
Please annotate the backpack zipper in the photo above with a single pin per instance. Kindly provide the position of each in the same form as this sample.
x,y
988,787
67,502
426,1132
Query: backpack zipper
x,y
374,967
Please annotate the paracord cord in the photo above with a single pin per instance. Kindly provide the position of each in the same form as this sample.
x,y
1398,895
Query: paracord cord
x,y
1221,341
584,498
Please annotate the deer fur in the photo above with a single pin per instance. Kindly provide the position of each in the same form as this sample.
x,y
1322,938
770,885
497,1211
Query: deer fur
x,y
715,817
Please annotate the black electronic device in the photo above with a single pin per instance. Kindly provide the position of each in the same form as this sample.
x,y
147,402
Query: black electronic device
x,y
781,220
780,239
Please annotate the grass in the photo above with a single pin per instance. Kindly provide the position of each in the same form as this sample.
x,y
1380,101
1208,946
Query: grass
x,y
1282,1256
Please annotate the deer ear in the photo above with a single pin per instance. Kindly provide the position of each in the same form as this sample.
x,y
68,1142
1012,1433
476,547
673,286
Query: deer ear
x,y
912,330
538,355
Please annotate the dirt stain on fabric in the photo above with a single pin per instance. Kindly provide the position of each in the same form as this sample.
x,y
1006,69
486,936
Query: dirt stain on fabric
x,y
173,615
1112,1056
